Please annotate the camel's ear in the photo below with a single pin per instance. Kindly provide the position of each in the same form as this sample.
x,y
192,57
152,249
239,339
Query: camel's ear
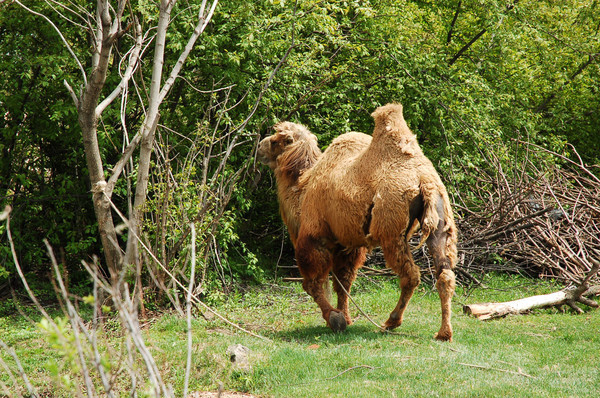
x,y
288,138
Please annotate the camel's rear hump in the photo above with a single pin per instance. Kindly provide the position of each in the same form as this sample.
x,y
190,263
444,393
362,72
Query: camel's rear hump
x,y
395,153
391,136
389,118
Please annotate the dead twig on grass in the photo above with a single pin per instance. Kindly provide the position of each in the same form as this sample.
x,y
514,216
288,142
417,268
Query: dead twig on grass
x,y
340,374
381,328
518,373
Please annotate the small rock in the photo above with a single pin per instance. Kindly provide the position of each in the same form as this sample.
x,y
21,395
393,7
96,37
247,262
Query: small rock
x,y
238,355
209,316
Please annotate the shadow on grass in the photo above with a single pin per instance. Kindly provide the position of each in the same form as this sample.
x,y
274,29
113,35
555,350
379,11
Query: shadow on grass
x,y
354,332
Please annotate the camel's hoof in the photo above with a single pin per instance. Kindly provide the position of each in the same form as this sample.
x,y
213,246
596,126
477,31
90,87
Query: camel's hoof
x,y
337,321
443,336
392,323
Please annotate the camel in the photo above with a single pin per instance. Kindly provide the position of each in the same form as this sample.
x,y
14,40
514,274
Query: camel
x,y
364,192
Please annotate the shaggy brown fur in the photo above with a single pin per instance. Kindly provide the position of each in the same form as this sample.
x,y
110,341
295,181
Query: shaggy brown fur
x,y
363,193
290,151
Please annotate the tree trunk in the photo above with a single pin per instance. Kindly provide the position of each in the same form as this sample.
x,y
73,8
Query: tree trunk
x,y
148,131
88,121
567,296
158,92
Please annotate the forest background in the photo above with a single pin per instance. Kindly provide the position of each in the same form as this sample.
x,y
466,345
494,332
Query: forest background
x,y
482,83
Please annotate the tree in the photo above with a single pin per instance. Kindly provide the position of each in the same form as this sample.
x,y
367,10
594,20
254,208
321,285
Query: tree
x,y
42,165
111,26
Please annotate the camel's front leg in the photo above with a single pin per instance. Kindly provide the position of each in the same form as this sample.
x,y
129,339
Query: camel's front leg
x,y
345,267
400,260
335,319
315,262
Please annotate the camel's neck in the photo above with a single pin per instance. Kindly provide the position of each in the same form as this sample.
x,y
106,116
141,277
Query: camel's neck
x,y
289,195
292,167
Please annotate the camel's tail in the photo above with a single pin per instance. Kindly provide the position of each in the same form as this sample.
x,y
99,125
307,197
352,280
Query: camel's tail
x,y
437,213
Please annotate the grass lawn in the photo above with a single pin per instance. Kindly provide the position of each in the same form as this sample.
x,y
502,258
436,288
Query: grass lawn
x,y
543,354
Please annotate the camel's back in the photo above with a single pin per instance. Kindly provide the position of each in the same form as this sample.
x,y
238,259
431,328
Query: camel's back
x,y
334,201
349,143
362,182
342,151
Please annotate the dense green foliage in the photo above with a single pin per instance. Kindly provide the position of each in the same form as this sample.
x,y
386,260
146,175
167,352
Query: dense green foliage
x,y
472,75
42,165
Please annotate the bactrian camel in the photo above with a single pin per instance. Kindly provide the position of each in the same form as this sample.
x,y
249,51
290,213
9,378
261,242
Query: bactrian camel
x,y
362,192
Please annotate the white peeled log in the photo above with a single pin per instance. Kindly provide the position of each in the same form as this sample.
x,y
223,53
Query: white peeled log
x,y
567,296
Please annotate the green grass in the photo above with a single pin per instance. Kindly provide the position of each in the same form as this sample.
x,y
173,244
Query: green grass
x,y
543,354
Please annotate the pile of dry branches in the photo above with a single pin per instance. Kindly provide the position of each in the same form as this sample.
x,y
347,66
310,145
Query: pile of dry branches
x,y
538,218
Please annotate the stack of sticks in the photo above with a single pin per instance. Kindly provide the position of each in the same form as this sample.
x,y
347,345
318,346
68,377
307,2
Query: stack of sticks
x,y
542,218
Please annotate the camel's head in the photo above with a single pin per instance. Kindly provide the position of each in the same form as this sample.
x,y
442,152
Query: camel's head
x,y
288,136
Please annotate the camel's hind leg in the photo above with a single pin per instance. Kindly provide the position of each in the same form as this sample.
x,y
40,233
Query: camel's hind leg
x,y
315,262
399,258
442,246
345,266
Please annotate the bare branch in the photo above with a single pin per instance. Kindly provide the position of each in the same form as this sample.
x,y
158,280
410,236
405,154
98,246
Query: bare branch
x,y
61,37
73,318
546,101
6,215
126,311
475,38
178,283
449,38
22,373
541,219
203,21
580,165
8,372
131,67
72,93
188,365
466,47
51,4
18,267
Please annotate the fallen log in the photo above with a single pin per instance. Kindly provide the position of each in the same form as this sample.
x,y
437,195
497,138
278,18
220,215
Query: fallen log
x,y
568,297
